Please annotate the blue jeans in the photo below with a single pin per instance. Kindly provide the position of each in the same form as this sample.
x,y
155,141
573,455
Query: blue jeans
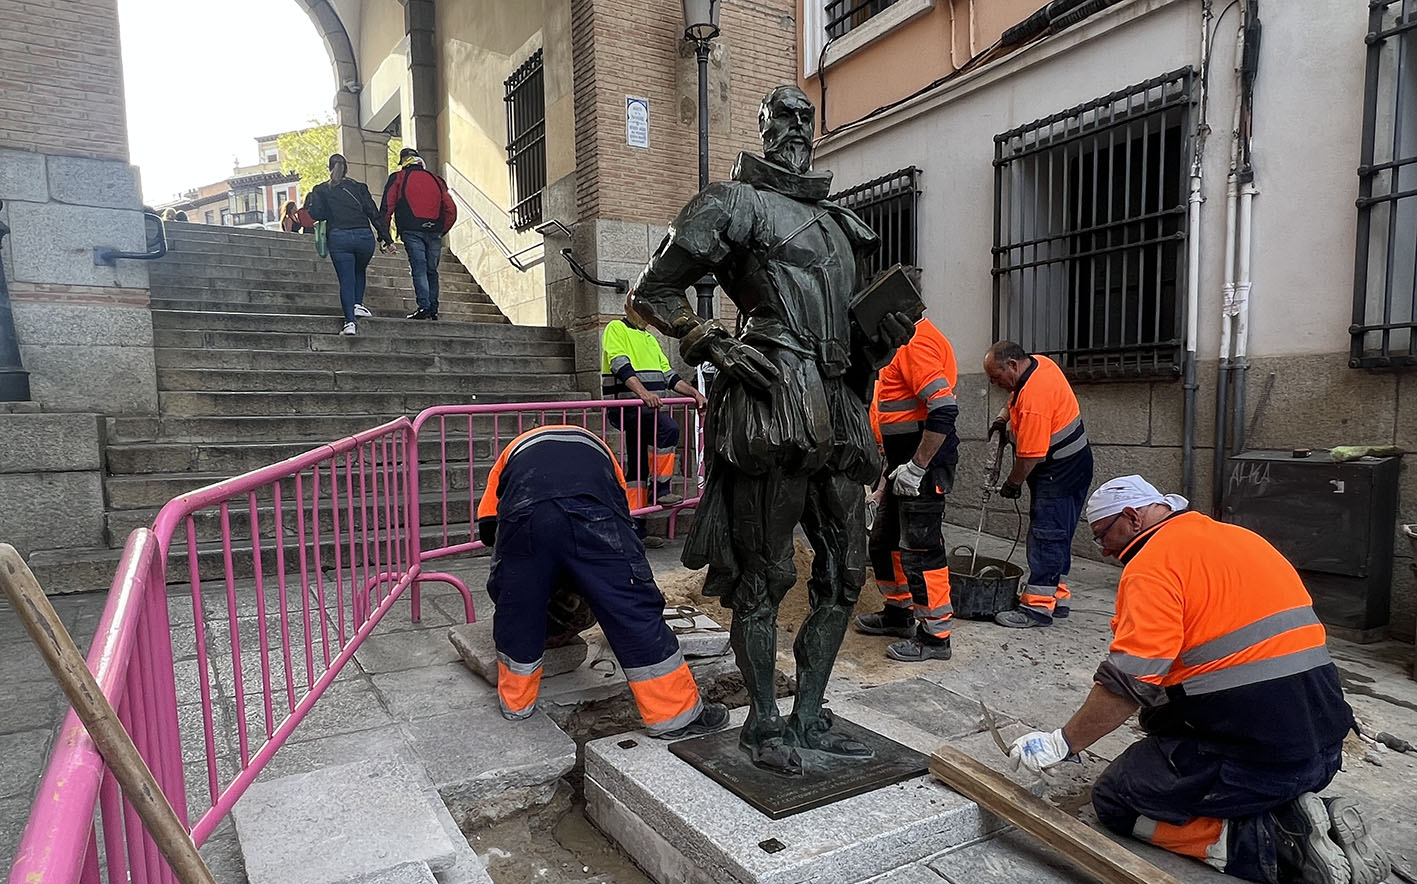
x,y
424,252
351,249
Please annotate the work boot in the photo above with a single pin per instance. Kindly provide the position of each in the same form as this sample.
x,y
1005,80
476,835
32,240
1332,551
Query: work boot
x,y
1305,853
1018,618
889,621
714,717
918,649
1368,862
654,541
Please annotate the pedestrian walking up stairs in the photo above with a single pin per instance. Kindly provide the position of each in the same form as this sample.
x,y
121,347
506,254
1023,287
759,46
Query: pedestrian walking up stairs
x,y
251,370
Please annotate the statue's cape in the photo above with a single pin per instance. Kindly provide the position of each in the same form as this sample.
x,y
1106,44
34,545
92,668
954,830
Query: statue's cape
x,y
809,186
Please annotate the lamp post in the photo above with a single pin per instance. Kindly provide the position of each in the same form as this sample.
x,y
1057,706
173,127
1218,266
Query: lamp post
x,y
701,26
14,380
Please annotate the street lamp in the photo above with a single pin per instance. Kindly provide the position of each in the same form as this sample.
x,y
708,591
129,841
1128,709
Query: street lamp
x,y
701,26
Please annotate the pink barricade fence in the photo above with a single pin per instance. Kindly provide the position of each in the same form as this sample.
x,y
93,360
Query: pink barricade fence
x,y
281,574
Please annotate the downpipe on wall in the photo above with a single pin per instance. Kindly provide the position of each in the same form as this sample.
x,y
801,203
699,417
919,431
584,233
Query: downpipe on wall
x,y
1193,262
1240,365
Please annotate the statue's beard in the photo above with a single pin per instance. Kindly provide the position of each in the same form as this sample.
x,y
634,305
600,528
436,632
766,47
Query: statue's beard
x,y
792,153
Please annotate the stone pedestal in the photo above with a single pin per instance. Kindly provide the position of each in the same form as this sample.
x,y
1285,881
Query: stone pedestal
x,y
682,827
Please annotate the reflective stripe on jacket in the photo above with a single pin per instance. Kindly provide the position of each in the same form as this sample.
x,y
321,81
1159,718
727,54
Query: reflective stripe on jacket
x,y
1215,617
626,353
1044,418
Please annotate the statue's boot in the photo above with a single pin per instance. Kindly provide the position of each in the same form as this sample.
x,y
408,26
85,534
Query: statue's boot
x,y
764,735
816,647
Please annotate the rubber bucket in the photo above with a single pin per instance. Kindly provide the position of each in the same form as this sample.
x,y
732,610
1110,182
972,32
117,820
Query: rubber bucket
x,y
980,592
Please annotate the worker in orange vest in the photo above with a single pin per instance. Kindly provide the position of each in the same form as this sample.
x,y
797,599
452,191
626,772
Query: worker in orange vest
x,y
1052,455
555,511
1215,641
914,413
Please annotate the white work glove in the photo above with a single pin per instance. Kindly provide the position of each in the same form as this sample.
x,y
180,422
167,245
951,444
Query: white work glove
x,y
906,479
1037,751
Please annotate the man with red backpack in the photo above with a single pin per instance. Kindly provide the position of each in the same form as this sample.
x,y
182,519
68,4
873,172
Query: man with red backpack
x,y
418,200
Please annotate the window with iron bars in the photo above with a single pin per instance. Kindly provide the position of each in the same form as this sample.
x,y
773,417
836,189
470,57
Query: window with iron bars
x,y
526,141
1090,232
1384,329
844,15
887,204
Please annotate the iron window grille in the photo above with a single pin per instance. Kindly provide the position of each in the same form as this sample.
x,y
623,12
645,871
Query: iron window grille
x,y
1090,232
1384,329
844,15
526,141
888,205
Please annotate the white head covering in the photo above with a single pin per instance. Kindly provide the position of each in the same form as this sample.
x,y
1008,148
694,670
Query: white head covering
x,y
1117,494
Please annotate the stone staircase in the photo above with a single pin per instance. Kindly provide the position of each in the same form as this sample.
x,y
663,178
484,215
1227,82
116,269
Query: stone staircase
x,y
250,371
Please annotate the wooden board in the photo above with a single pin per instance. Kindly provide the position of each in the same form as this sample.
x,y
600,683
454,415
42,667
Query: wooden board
x,y
1091,851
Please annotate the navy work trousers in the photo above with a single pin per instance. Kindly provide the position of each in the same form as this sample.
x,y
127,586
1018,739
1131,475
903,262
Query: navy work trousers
x,y
1166,791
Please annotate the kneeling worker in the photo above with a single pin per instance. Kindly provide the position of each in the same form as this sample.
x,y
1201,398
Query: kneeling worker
x,y
555,511
1216,642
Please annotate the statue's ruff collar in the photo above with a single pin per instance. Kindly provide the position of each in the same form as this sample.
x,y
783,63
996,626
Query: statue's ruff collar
x,y
759,172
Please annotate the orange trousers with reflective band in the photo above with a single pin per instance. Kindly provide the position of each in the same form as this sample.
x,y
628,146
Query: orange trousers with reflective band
x,y
910,560
666,699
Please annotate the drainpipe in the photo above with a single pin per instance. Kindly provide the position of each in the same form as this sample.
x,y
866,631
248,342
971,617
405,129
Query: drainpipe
x,y
1193,264
1227,305
1241,364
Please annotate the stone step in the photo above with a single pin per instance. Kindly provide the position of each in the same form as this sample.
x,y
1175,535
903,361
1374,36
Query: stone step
x,y
217,402
291,323
310,381
279,277
287,296
303,247
515,342
316,428
382,307
296,269
233,458
556,359
307,261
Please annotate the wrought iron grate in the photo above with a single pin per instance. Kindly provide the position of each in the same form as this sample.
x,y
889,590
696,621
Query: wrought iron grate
x,y
1090,232
1384,329
888,204
845,15
526,141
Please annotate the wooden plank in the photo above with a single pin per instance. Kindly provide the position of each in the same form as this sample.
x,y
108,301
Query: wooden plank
x,y
1089,850
57,647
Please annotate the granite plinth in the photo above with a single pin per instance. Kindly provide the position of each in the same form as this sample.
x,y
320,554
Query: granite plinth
x,y
479,652
699,634
825,779
680,826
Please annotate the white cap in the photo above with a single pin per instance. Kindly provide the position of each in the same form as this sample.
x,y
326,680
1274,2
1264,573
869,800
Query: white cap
x,y
1115,495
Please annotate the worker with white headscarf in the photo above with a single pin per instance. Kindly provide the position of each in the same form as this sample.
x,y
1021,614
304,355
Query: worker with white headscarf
x,y
1216,643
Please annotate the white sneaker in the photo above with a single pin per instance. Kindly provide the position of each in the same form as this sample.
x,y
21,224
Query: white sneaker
x,y
348,329
361,310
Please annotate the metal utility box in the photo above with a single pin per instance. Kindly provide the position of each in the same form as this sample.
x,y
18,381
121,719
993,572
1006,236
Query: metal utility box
x,y
1335,522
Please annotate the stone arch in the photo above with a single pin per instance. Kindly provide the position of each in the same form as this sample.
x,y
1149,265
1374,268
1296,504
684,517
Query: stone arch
x,y
366,151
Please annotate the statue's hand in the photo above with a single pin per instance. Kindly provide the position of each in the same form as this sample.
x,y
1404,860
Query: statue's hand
x,y
897,329
744,363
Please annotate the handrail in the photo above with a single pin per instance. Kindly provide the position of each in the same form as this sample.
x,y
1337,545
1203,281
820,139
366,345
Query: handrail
x,y
513,258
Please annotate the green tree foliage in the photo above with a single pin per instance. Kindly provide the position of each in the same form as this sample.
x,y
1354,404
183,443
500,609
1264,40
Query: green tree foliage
x,y
306,152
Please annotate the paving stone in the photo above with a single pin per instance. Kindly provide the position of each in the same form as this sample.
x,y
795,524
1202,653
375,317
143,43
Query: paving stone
x,y
411,649
24,753
486,767
389,741
919,873
927,706
337,823
473,641
721,836
1007,858
433,690
406,873
14,814
700,637
222,854
345,708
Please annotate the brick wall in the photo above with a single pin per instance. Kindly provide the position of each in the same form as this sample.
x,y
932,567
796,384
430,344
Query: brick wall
x,y
639,50
60,94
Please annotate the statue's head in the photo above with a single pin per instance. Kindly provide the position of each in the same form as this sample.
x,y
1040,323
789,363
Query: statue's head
x,y
786,123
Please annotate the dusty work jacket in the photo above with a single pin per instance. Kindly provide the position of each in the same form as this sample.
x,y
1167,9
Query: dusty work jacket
x,y
1215,635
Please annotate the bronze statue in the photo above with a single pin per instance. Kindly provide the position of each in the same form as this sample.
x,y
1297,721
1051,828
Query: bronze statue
x,y
788,438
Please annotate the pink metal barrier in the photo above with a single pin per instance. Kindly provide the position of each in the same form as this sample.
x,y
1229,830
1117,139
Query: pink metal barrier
x,y
330,539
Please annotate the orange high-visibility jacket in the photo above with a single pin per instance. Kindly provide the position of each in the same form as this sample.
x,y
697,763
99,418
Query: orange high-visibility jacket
x,y
919,380
547,463
1044,418
1216,634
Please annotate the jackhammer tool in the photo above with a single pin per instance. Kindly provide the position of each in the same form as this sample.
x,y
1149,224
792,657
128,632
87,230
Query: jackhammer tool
x,y
991,481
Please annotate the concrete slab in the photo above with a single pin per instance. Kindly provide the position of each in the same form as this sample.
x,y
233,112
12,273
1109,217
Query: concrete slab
x,y
699,634
727,841
407,873
474,643
927,706
337,823
24,753
432,690
1010,857
920,873
395,651
487,768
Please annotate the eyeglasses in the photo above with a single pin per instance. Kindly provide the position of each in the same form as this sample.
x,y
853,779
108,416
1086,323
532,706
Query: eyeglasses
x,y
1098,536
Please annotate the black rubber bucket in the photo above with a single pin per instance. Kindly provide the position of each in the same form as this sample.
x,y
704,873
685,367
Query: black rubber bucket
x,y
980,592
